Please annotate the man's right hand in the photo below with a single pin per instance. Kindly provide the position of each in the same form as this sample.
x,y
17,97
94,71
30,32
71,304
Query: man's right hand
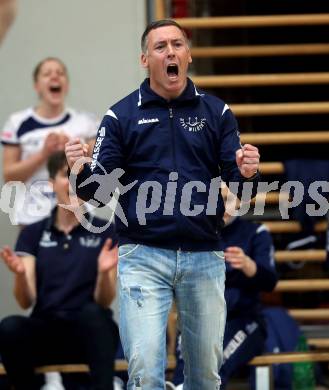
x,y
74,150
13,262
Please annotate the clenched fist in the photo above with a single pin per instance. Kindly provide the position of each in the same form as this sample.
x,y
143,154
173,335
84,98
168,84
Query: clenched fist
x,y
74,151
247,159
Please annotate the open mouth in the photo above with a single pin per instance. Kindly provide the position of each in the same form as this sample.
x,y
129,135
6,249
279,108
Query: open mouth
x,y
55,89
172,70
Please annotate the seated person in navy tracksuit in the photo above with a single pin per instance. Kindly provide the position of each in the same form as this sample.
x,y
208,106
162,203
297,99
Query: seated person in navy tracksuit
x,y
250,270
68,275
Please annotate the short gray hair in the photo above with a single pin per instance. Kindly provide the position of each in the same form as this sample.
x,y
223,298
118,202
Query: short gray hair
x,y
157,24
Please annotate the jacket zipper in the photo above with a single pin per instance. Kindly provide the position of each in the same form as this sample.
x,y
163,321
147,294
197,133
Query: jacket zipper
x,y
171,117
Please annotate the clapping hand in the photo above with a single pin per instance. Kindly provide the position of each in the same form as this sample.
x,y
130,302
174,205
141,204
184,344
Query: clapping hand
x,y
108,257
13,262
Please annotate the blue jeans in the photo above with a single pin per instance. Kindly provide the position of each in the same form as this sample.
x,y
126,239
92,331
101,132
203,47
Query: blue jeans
x,y
149,279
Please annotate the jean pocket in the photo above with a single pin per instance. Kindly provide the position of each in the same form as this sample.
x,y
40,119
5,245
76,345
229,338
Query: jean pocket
x,y
219,254
127,249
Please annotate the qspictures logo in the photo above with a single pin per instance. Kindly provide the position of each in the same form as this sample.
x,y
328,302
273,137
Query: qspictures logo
x,y
152,196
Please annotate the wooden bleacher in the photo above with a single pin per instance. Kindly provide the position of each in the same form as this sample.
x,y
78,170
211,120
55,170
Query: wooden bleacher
x,y
305,255
301,137
271,168
306,315
291,226
302,285
267,109
253,21
261,80
260,50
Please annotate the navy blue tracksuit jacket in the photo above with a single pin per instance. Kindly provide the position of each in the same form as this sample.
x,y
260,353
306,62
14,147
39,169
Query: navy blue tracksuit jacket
x,y
191,139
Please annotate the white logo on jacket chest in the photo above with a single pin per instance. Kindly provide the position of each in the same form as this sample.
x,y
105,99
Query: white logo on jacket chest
x,y
46,240
90,241
150,120
194,125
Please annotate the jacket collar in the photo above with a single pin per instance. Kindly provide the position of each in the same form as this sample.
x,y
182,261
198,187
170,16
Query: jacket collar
x,y
146,95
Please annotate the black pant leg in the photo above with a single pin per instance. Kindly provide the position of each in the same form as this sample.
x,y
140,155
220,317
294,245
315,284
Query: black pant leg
x,y
4,383
91,337
19,341
99,337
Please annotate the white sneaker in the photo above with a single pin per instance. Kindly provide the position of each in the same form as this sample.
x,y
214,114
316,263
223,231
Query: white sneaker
x,y
53,381
118,383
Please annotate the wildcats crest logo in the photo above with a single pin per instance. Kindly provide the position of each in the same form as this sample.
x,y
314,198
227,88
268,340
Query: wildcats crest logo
x,y
193,124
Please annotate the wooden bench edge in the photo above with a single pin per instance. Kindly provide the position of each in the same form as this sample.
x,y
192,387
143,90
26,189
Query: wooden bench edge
x,y
289,357
120,365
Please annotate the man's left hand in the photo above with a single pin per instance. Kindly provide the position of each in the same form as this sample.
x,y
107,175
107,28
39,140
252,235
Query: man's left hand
x,y
247,160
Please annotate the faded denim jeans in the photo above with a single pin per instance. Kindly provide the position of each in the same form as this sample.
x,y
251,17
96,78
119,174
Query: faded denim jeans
x,y
149,279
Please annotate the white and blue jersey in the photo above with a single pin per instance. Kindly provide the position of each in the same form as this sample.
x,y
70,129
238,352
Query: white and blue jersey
x,y
28,130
